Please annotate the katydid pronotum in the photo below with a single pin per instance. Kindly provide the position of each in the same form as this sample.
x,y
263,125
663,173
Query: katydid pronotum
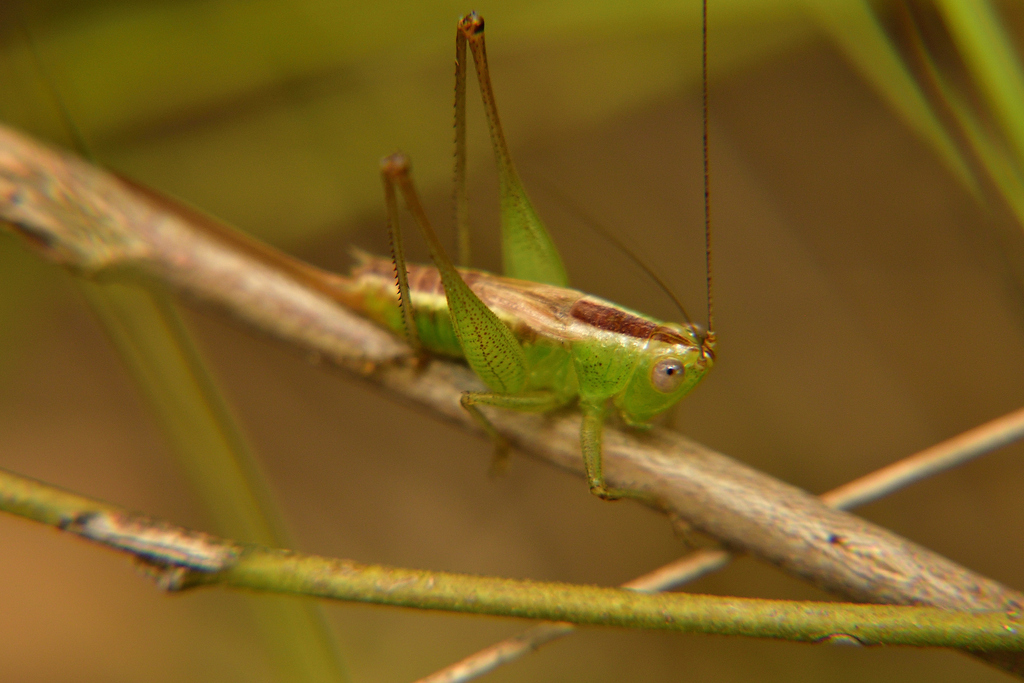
x,y
536,344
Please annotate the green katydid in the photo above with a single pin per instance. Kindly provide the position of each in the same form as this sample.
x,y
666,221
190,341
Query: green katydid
x,y
536,344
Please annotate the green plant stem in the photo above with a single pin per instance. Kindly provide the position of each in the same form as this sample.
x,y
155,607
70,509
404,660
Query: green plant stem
x,y
182,558
282,571
153,342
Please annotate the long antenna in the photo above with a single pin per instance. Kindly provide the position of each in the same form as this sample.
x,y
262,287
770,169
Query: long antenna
x,y
707,163
584,217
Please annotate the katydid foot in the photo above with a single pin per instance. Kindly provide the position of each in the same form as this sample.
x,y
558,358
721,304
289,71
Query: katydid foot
x,y
591,431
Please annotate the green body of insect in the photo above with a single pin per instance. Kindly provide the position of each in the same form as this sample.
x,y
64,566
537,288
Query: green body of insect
x,y
536,344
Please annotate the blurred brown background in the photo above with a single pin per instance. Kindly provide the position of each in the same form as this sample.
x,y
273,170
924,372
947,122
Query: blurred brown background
x,y
866,308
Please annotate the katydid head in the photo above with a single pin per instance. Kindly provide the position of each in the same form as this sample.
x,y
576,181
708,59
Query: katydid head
x,y
676,358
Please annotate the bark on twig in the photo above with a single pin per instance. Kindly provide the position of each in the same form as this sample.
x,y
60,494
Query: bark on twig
x,y
87,219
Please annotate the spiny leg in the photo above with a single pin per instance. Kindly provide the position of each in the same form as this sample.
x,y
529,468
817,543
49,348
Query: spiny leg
x,y
461,198
528,253
532,402
488,345
412,334
591,431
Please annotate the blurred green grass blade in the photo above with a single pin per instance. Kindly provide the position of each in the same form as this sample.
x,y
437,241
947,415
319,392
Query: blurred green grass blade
x,y
152,340
1004,173
994,63
854,27
1003,170
148,333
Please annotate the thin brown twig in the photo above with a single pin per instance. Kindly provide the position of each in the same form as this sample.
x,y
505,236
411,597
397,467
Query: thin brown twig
x,y
88,220
933,460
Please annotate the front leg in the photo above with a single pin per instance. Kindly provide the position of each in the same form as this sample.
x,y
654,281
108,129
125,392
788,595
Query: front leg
x,y
591,431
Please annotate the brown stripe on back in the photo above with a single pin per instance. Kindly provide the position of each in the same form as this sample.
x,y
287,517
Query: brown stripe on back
x,y
612,319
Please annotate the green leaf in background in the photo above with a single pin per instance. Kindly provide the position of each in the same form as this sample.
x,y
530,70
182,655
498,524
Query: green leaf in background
x,y
855,29
989,52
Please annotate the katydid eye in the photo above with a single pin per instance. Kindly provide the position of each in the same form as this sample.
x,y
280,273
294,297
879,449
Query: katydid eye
x,y
667,375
